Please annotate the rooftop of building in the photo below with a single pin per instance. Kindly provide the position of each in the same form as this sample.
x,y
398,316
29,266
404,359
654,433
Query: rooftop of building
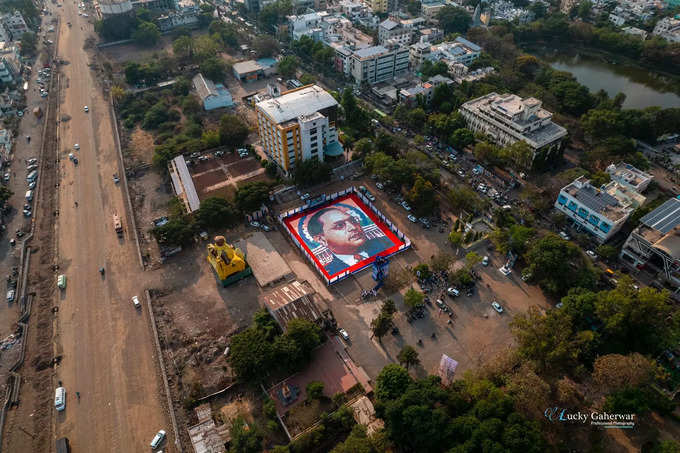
x,y
521,112
369,52
468,44
244,67
293,300
389,24
629,174
206,87
597,200
661,228
292,104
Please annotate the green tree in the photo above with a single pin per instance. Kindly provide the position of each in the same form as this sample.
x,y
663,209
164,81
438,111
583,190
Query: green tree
x,y
558,265
456,238
147,34
183,46
251,355
250,197
315,390
422,197
311,172
288,65
5,194
381,325
461,138
213,68
363,147
356,442
472,259
607,252
244,438
550,341
584,9
408,357
453,19
233,130
216,212
414,299
391,382
29,43
265,46
177,231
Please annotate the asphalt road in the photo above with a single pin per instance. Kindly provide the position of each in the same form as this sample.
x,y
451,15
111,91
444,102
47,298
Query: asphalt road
x,y
106,344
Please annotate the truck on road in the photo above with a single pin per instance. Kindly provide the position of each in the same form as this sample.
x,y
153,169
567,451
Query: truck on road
x,y
117,225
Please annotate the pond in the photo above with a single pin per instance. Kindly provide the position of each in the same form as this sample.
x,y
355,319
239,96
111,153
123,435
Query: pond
x,y
641,87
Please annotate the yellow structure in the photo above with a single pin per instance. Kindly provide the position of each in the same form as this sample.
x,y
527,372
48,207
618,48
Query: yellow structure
x,y
229,262
378,6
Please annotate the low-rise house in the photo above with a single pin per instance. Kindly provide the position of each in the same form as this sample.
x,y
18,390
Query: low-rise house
x,y
213,95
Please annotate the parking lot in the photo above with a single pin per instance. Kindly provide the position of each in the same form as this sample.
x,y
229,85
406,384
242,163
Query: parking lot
x,y
476,332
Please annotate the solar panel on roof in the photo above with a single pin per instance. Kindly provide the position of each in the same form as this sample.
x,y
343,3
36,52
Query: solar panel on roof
x,y
665,217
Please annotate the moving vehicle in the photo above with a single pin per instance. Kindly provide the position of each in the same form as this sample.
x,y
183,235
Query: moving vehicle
x,y
117,226
135,302
496,306
60,398
158,438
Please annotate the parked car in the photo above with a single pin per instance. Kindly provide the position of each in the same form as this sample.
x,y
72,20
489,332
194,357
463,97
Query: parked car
x,y
453,292
11,294
343,333
412,218
496,306
76,146
370,196
485,261
86,108
379,186
505,271
405,206
6,177
158,438
591,254
135,302
564,235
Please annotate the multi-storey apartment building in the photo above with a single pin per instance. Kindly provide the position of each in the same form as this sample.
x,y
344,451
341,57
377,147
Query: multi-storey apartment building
x,y
507,119
378,64
299,125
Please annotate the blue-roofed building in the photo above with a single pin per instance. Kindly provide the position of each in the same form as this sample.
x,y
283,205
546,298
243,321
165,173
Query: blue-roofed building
x,y
655,244
213,95
599,211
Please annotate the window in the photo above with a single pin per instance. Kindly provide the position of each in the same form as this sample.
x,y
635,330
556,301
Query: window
x,y
594,220
573,206
605,227
312,131
583,213
561,199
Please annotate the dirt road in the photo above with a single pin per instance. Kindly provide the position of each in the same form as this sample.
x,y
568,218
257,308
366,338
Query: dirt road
x,y
106,344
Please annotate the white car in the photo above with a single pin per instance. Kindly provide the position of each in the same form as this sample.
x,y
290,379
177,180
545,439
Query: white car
x,y
86,108
158,438
564,235
10,295
255,224
412,218
496,306
6,177
31,185
135,302
379,186
405,206
370,196
591,254
453,292
485,261
505,271
343,333
71,156
76,146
